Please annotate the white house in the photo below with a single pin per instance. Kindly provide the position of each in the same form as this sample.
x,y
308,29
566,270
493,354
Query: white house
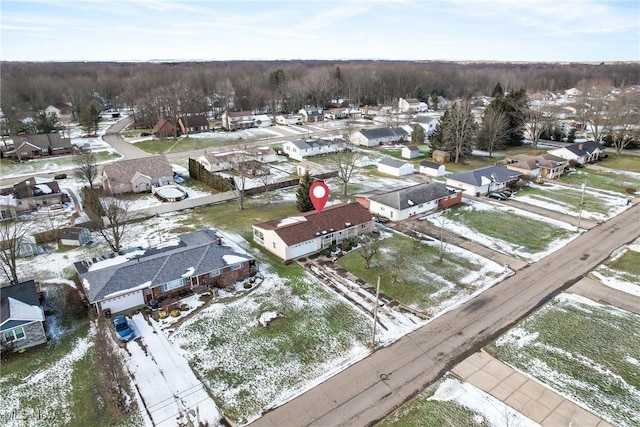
x,y
409,105
376,136
581,152
262,120
234,120
395,167
484,180
300,149
310,232
432,169
428,123
289,119
415,200
410,152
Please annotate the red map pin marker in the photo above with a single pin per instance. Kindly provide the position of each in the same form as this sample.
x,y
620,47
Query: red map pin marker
x,y
319,194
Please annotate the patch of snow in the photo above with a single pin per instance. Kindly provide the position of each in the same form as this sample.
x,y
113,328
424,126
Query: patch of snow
x,y
267,317
233,259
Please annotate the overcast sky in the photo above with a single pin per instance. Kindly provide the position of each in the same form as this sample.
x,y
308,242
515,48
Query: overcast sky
x,y
141,30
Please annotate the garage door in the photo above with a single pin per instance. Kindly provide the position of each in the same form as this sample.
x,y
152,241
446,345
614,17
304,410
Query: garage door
x,y
123,302
303,249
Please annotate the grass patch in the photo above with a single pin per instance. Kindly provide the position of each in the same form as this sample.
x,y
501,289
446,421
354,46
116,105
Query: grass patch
x,y
602,180
624,162
421,410
583,350
626,267
533,235
158,146
51,163
134,133
412,273
567,197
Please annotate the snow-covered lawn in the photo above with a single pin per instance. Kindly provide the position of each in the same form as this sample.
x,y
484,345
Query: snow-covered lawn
x,y
506,229
616,273
456,403
587,352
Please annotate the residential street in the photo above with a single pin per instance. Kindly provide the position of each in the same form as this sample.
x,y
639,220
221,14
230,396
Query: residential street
x,y
370,389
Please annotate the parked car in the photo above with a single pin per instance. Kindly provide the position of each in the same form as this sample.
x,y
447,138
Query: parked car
x,y
60,176
123,331
498,196
145,134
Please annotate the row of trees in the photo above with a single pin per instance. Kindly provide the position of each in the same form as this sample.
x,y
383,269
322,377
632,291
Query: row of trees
x,y
167,90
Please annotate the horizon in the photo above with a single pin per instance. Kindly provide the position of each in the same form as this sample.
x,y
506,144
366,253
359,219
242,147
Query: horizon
x,y
486,31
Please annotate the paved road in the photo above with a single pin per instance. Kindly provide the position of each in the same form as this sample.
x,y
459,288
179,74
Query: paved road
x,y
368,390
113,138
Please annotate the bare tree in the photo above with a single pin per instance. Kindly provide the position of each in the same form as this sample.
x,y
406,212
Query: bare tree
x,y
592,105
493,133
442,222
12,233
266,179
117,217
345,163
621,124
239,163
368,249
538,118
86,168
282,299
461,130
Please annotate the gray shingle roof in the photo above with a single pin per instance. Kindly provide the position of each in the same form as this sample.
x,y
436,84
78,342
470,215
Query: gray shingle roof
x,y
415,195
25,292
432,165
392,162
384,133
197,250
582,148
493,173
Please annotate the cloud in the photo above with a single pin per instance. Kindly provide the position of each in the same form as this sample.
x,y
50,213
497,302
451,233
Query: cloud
x,y
329,16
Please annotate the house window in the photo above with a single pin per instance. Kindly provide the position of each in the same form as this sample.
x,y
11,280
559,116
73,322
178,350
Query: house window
x,y
274,245
234,267
366,224
14,334
215,273
173,284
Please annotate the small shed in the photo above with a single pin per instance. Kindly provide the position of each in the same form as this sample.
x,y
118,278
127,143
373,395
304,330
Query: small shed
x,y
431,169
410,152
441,156
75,236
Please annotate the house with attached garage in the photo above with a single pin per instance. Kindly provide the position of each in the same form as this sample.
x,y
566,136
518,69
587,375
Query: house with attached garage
x,y
237,120
136,175
311,232
415,200
41,145
581,152
395,167
302,148
289,119
378,136
121,282
484,180
543,165
22,317
36,192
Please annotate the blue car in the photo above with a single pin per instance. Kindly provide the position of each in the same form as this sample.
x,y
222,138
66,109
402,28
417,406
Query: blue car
x,y
123,331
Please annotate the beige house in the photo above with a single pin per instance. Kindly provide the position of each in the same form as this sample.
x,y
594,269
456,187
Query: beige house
x,y
136,175
310,232
234,120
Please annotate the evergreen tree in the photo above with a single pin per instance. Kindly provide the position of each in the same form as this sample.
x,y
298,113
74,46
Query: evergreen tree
x,y
303,199
514,106
434,101
498,92
456,131
89,119
417,136
419,94
46,123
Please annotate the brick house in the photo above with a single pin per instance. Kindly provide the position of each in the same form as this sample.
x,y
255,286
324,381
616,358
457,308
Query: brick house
x,y
41,145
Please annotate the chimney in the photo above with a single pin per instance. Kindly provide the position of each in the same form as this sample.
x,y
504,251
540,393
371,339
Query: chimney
x,y
218,241
580,146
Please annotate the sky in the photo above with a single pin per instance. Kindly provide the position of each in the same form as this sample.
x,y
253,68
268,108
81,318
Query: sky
x,y
218,30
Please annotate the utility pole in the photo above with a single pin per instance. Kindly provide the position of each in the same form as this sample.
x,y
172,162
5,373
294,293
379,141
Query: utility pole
x,y
375,316
584,184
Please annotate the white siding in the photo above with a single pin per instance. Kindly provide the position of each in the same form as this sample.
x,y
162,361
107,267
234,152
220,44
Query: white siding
x,y
123,302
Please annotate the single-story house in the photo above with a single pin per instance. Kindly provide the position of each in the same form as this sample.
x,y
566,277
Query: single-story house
x,y
428,123
41,145
305,166
136,175
193,124
395,167
289,119
302,148
200,258
8,205
234,120
483,180
35,192
432,169
370,111
377,136
410,152
21,316
228,160
310,232
335,113
163,129
543,165
75,236
312,114
582,152
262,120
415,200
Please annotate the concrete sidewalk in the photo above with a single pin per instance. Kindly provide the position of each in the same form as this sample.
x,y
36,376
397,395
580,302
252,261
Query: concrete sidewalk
x,y
531,398
596,291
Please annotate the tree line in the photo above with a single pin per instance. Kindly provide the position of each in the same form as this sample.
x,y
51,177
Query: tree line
x,y
170,89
